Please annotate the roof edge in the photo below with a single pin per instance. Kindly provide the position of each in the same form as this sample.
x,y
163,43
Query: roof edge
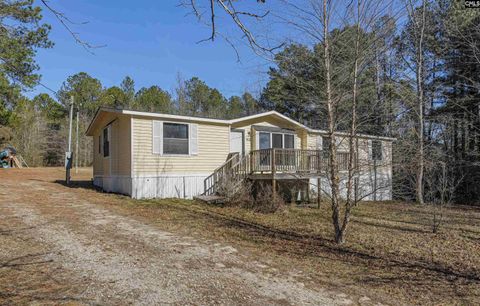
x,y
357,135
150,114
222,121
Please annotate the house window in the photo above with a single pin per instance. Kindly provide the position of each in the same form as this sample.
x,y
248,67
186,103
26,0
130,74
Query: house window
x,y
376,150
99,144
269,140
326,143
175,138
264,141
277,141
289,141
106,142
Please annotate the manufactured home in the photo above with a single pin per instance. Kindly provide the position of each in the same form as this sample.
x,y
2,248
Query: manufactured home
x,y
154,155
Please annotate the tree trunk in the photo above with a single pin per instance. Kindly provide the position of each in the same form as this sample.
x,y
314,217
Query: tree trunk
x,y
333,169
352,165
420,98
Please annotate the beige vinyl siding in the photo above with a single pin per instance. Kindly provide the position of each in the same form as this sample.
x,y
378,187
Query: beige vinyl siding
x,y
97,157
119,161
311,141
213,142
364,151
365,155
120,145
252,133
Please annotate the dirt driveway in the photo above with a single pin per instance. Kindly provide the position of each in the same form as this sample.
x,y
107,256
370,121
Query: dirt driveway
x,y
63,245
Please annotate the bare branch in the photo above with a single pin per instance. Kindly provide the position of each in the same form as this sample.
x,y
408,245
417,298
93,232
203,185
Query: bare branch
x,y
65,21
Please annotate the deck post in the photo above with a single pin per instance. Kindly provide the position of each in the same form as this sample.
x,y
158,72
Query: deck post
x,y
319,192
308,191
272,168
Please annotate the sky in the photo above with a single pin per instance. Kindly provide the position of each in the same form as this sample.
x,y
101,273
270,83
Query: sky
x,y
151,41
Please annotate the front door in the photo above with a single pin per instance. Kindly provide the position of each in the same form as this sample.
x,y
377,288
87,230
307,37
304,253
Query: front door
x,y
236,142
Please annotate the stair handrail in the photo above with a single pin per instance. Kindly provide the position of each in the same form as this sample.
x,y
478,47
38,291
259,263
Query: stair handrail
x,y
217,175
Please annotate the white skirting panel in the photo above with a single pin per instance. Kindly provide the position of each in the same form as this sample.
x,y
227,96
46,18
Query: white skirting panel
x,y
369,186
115,184
171,186
97,181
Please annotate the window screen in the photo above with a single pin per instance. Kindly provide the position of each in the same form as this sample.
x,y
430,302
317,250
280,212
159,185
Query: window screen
x,y
106,143
277,141
175,138
289,141
376,150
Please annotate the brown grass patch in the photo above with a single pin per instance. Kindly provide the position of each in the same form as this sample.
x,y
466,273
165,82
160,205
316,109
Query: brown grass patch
x,y
391,253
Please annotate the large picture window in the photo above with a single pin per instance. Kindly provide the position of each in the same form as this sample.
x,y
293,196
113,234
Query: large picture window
x,y
175,138
269,140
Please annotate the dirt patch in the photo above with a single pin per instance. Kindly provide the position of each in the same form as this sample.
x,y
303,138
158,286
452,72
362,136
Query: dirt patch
x,y
391,254
78,245
63,245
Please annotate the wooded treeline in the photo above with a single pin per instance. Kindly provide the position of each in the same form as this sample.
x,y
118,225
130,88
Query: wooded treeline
x,y
38,127
414,77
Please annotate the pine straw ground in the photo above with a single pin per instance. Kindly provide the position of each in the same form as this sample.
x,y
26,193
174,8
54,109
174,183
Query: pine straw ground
x,y
390,255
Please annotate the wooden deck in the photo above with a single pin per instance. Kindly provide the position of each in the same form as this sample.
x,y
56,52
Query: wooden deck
x,y
271,164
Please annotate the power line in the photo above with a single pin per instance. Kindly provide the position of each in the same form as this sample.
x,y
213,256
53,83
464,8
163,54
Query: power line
x,y
48,88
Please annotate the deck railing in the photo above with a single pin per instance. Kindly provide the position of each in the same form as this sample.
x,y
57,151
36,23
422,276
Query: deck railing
x,y
286,161
213,181
271,161
294,161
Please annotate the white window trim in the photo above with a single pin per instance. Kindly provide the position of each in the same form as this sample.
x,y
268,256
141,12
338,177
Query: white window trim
x,y
188,140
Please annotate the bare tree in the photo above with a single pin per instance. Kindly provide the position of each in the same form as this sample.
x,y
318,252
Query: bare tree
x,y
441,183
67,23
207,12
418,20
337,93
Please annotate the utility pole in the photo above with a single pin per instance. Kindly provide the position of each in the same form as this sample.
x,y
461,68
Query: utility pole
x,y
68,154
76,147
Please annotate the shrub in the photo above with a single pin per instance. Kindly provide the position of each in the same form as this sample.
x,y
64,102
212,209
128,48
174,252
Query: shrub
x,y
266,202
239,195
243,196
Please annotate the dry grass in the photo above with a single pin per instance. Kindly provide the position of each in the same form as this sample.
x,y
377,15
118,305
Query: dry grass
x,y
390,253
